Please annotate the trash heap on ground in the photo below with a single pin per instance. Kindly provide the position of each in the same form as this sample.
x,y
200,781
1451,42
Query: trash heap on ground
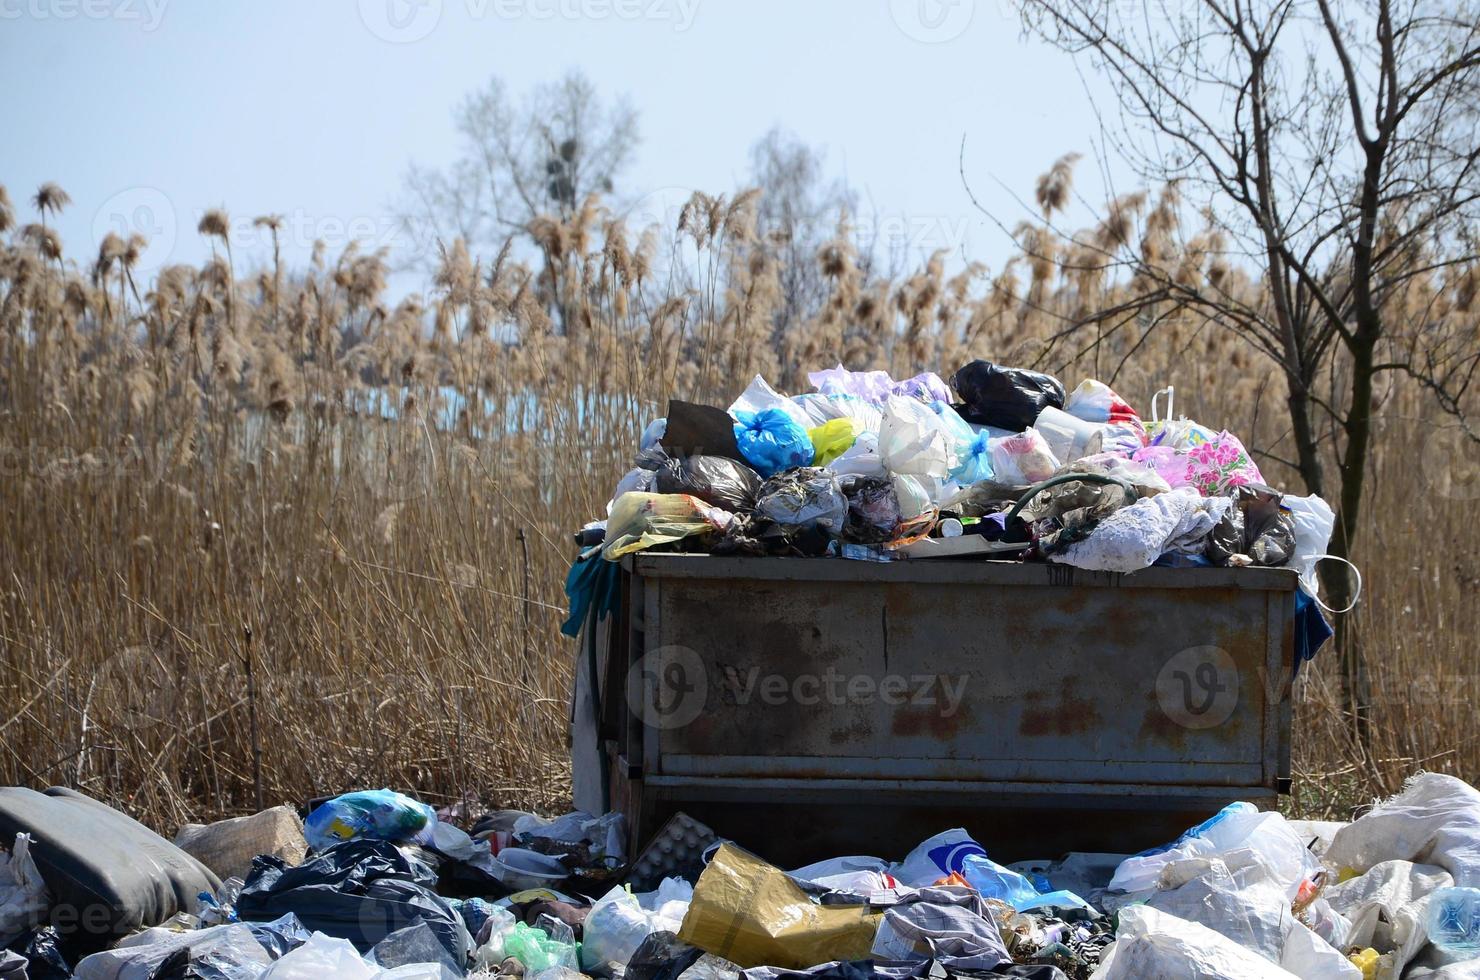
x,y
378,885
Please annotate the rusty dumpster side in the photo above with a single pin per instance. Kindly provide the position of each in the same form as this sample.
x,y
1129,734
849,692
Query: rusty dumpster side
x,y
815,707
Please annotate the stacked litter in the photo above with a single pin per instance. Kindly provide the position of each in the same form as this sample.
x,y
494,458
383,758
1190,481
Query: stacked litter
x,y
1011,463
378,885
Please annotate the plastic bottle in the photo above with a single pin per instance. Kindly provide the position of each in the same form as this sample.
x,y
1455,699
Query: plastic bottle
x,y
1454,919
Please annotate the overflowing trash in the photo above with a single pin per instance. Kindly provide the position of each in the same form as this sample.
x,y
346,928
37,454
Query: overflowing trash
x,y
1245,893
1002,463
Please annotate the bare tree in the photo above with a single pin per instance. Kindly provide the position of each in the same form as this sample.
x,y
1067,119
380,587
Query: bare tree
x,y
521,160
1336,151
797,212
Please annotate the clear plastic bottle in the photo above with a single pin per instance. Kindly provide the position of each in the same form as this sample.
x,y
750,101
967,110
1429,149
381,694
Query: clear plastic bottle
x,y
1454,919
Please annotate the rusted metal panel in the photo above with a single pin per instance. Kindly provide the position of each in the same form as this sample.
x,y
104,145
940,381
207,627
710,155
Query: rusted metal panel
x,y
958,683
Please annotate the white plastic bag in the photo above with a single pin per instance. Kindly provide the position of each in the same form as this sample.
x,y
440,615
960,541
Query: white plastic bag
x,y
1265,838
1434,820
937,857
1314,522
23,896
1022,459
913,441
861,459
761,396
489,955
232,945
319,958
1247,907
1310,957
618,922
1387,908
1152,945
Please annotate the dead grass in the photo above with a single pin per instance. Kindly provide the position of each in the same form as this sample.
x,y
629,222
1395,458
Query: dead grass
x,y
229,581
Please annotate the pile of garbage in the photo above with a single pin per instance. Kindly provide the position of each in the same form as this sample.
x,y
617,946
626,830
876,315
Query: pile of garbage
x,y
1003,462
378,885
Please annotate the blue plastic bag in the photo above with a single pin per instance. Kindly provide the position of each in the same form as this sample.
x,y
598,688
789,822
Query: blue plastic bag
x,y
378,814
1006,885
771,442
995,881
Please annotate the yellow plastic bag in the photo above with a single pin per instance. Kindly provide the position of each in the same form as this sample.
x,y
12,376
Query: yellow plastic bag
x,y
751,913
833,438
641,520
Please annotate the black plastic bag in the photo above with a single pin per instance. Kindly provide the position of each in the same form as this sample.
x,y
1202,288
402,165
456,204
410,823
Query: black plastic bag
x,y
713,479
661,957
280,936
361,890
1008,398
43,954
1255,531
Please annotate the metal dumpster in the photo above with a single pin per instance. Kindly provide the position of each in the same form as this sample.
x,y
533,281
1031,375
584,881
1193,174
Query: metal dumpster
x,y
815,707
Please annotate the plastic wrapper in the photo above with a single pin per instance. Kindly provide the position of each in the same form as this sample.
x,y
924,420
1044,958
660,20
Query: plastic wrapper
x,y
1314,521
643,520
751,913
361,891
873,510
713,479
861,459
1149,943
377,814
1095,401
1009,398
761,397
1178,434
231,949
538,950
1256,530
1023,459
411,945
820,408
618,923
914,441
771,441
1220,465
804,499
832,439
878,386
23,896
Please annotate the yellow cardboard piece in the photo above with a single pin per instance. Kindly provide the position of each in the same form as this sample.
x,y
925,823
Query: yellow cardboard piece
x,y
751,913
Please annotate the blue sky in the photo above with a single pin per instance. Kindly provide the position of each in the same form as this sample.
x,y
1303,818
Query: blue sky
x,y
149,111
